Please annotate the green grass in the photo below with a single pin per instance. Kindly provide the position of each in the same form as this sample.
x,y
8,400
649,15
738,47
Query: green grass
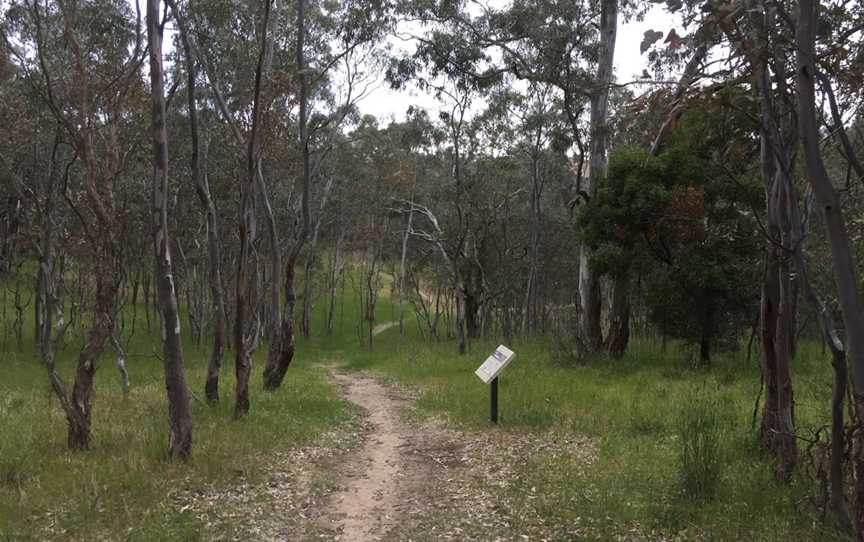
x,y
629,407
123,488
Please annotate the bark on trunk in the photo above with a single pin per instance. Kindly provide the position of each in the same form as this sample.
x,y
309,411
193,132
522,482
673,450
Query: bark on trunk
x,y
243,345
778,428
77,406
202,190
787,447
277,365
845,273
768,325
179,411
308,282
589,286
777,139
619,316
99,174
831,338
402,271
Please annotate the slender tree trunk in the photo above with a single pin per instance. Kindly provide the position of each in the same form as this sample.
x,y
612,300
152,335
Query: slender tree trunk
x,y
472,304
768,327
619,316
45,275
589,286
787,447
245,284
778,429
777,138
273,314
179,411
335,272
277,366
402,270
831,338
98,187
460,302
845,272
308,281
531,302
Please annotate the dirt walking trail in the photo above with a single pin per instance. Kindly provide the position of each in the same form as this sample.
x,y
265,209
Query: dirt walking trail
x,y
390,475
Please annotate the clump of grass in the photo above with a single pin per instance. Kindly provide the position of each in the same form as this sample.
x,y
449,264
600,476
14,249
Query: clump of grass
x,y
644,420
701,426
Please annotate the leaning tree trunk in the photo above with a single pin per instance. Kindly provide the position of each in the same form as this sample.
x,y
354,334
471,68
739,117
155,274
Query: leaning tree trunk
x,y
589,286
98,186
179,411
830,337
277,365
77,404
845,272
202,190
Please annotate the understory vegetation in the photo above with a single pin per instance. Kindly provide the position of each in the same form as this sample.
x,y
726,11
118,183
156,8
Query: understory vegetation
x,y
125,487
677,451
666,448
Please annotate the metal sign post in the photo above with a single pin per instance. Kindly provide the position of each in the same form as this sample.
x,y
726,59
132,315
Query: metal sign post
x,y
488,373
493,401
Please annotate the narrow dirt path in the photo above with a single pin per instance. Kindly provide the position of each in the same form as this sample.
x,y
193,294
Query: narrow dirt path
x,y
390,477
381,328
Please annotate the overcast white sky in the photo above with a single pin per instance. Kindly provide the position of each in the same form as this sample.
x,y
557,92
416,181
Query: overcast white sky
x,y
388,104
385,103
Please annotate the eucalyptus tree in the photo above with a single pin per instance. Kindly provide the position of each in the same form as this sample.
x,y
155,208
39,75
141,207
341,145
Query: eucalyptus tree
x,y
456,71
206,198
74,45
356,28
179,413
756,51
845,273
569,45
760,37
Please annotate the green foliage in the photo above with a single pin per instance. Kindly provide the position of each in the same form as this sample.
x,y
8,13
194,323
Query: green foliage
x,y
683,223
629,201
701,427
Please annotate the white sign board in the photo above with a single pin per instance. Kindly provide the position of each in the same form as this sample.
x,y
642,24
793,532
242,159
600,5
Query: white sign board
x,y
495,363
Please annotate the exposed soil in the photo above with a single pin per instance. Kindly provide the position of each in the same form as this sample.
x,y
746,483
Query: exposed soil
x,y
391,477
385,477
381,328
